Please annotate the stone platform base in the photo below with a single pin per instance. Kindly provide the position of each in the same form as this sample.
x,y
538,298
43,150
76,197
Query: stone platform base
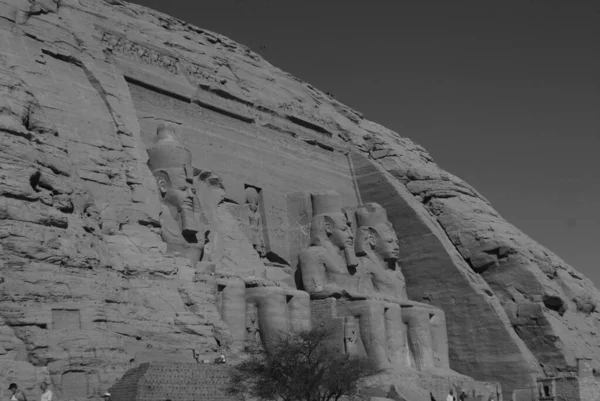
x,y
410,385
160,381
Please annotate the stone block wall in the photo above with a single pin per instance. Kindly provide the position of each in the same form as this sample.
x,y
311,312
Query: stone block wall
x,y
567,389
175,381
523,394
589,389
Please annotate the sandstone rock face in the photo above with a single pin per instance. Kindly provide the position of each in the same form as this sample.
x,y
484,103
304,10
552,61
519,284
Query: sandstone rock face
x,y
89,286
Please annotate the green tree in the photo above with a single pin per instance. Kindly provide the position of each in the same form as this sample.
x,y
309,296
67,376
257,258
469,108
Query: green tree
x,y
299,367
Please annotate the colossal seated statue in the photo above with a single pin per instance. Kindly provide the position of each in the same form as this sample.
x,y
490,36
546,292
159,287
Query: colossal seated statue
x,y
328,273
181,218
253,310
326,265
377,248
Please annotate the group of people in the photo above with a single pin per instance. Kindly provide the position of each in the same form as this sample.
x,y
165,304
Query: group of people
x,y
18,395
462,397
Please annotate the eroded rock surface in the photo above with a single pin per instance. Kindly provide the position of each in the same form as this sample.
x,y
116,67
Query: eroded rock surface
x,y
89,286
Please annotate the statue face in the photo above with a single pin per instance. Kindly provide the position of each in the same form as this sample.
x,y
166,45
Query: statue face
x,y
179,194
340,232
252,198
387,243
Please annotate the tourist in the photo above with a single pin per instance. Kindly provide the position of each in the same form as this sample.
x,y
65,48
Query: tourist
x,y
431,396
106,396
451,396
46,393
17,395
462,396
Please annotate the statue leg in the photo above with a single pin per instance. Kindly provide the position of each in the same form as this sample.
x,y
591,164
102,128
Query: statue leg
x,y
419,336
272,311
394,330
298,305
232,300
440,339
371,321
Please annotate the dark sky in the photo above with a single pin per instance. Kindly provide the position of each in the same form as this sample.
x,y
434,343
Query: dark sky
x,y
505,95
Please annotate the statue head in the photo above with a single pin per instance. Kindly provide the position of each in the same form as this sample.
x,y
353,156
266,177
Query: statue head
x,y
252,198
375,233
171,165
329,222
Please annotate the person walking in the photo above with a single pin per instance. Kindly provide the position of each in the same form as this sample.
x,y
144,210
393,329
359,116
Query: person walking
x,y
462,396
450,396
46,392
17,395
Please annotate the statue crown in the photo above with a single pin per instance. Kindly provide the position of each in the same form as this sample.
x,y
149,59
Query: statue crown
x,y
167,152
326,203
371,215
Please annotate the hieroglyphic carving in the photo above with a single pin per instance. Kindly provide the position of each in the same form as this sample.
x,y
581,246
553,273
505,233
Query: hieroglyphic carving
x,y
172,63
182,221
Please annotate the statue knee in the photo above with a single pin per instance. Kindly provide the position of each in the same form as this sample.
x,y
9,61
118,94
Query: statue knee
x,y
439,336
271,308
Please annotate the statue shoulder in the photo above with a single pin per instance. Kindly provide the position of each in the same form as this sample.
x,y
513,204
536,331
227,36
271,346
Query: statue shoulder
x,y
368,264
311,254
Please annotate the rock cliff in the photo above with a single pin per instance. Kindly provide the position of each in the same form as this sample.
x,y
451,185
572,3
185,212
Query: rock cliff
x,y
88,287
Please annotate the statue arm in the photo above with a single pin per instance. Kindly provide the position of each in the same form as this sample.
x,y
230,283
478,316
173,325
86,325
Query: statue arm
x,y
312,270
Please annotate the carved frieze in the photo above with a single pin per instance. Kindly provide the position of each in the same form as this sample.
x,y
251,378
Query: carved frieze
x,y
143,54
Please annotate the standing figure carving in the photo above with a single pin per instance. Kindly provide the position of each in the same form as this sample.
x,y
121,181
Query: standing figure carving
x,y
181,218
350,336
255,221
252,324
